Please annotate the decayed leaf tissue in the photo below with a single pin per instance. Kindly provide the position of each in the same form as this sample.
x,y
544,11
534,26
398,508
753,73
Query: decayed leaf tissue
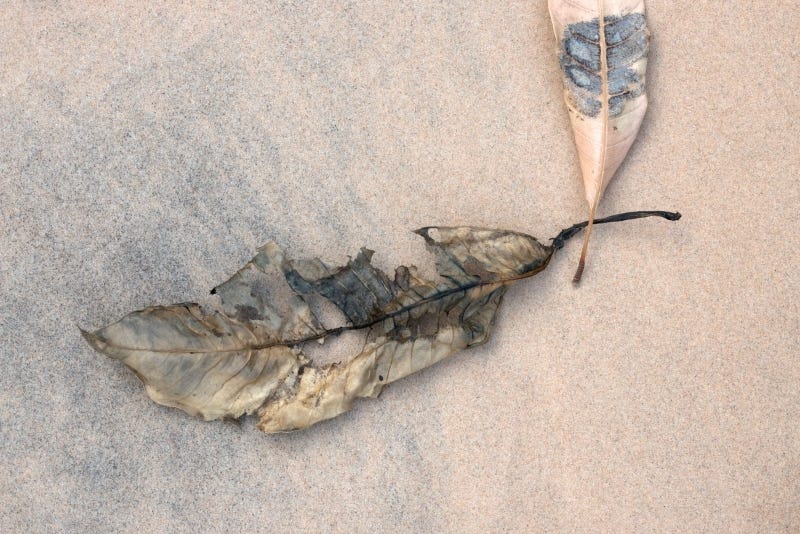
x,y
246,357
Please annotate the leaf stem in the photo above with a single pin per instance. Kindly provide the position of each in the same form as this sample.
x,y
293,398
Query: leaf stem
x,y
567,233
600,169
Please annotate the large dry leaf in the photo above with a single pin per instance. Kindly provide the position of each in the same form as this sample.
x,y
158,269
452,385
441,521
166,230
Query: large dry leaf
x,y
245,357
603,47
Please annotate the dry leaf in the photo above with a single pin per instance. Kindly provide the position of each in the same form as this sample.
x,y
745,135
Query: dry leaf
x,y
603,47
246,356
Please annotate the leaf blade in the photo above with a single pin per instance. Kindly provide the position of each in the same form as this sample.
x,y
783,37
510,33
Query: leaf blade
x,y
603,47
245,357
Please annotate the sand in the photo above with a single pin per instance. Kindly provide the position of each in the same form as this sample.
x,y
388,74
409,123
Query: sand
x,y
145,153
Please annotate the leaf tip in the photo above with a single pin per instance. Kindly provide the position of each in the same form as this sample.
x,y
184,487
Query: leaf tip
x,y
92,339
424,232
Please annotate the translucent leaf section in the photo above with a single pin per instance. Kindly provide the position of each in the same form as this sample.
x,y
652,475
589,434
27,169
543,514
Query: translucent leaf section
x,y
196,362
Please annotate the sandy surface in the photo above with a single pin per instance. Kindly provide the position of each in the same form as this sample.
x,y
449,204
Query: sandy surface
x,y
146,152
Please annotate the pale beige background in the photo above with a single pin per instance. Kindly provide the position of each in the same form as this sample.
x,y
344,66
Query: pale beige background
x,y
145,152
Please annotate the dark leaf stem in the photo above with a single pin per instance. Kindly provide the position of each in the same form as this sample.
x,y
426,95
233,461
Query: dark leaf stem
x,y
565,234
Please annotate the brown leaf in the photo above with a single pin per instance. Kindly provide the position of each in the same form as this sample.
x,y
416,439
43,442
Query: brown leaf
x,y
246,357
603,47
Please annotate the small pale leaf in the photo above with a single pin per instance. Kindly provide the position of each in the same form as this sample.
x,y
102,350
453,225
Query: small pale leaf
x,y
604,80
602,49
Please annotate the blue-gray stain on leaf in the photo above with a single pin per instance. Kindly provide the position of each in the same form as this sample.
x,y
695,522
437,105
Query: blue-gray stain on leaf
x,y
627,42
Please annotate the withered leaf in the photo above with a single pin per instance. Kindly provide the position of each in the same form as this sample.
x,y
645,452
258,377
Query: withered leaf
x,y
246,356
